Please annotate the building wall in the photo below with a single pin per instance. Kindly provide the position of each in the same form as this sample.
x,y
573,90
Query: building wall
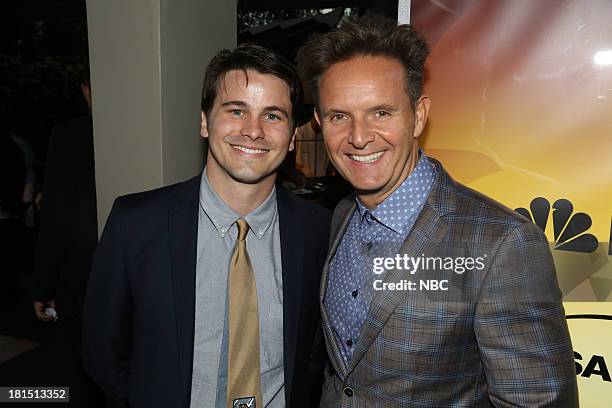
x,y
147,60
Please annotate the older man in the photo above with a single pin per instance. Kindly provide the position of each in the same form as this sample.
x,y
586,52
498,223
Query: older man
x,y
433,295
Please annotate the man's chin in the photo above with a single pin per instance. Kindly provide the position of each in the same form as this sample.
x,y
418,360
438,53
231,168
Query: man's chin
x,y
365,186
250,177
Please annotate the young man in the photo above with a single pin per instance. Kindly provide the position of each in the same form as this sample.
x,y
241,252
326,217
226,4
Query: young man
x,y
204,294
433,295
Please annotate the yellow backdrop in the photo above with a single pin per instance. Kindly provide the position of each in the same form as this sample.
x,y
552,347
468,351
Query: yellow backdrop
x,y
521,110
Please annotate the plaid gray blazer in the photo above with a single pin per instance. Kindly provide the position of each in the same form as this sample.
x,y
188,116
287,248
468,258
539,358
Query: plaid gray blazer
x,y
496,337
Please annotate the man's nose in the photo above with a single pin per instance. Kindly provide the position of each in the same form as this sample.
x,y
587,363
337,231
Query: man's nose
x,y
252,129
360,136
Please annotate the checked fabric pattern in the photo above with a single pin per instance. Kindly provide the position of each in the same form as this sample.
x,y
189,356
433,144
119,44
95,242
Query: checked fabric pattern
x,y
497,337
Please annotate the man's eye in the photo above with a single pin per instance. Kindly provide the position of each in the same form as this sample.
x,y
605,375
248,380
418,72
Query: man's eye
x,y
236,112
337,116
272,116
381,114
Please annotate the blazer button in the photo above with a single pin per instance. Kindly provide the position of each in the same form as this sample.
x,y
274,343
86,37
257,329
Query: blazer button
x,y
348,391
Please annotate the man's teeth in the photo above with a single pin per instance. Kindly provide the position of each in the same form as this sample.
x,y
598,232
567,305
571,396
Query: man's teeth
x,y
367,159
249,151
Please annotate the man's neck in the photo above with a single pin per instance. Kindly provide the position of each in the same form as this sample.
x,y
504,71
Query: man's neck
x,y
240,197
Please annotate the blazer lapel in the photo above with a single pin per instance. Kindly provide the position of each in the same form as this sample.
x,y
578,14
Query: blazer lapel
x,y
183,236
424,237
340,222
292,253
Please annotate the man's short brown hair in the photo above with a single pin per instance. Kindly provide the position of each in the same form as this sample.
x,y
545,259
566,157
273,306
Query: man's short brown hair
x,y
369,36
257,58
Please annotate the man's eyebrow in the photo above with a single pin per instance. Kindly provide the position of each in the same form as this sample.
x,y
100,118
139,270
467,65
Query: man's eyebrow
x,y
384,107
276,108
234,103
333,110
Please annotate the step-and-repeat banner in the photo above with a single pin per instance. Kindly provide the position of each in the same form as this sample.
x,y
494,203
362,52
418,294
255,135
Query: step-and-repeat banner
x,y
521,95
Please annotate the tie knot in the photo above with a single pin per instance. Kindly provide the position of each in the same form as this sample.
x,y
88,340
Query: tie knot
x,y
243,228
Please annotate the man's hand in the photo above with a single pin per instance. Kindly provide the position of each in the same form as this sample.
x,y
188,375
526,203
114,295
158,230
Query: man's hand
x,y
39,310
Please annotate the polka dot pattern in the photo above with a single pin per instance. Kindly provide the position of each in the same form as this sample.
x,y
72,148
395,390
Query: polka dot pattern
x,y
370,234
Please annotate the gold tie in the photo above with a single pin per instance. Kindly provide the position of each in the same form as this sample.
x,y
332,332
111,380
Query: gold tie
x,y
243,378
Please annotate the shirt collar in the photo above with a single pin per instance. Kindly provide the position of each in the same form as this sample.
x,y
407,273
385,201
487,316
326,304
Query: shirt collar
x,y
223,217
407,200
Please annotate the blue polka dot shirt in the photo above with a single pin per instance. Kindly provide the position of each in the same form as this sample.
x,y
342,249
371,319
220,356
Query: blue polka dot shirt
x,y
371,233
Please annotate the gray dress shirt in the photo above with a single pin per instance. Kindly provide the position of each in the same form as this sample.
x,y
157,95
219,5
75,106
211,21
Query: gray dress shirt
x,y
217,233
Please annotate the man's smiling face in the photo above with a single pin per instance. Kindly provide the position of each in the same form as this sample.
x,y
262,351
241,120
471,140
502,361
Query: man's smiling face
x,y
368,123
249,128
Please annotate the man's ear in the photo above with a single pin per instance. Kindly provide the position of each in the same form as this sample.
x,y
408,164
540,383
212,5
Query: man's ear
x,y
86,89
420,115
317,117
204,126
292,141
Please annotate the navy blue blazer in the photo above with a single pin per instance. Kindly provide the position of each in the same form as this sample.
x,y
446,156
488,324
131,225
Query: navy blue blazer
x,y
138,323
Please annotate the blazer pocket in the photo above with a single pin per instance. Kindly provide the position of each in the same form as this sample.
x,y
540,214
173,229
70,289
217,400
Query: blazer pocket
x,y
413,340
439,328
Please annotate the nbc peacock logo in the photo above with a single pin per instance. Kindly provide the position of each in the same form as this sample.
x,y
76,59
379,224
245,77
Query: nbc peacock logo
x,y
569,228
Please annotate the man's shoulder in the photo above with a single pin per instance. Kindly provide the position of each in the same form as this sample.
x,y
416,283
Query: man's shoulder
x,y
73,126
159,199
479,217
70,137
300,207
481,208
345,204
